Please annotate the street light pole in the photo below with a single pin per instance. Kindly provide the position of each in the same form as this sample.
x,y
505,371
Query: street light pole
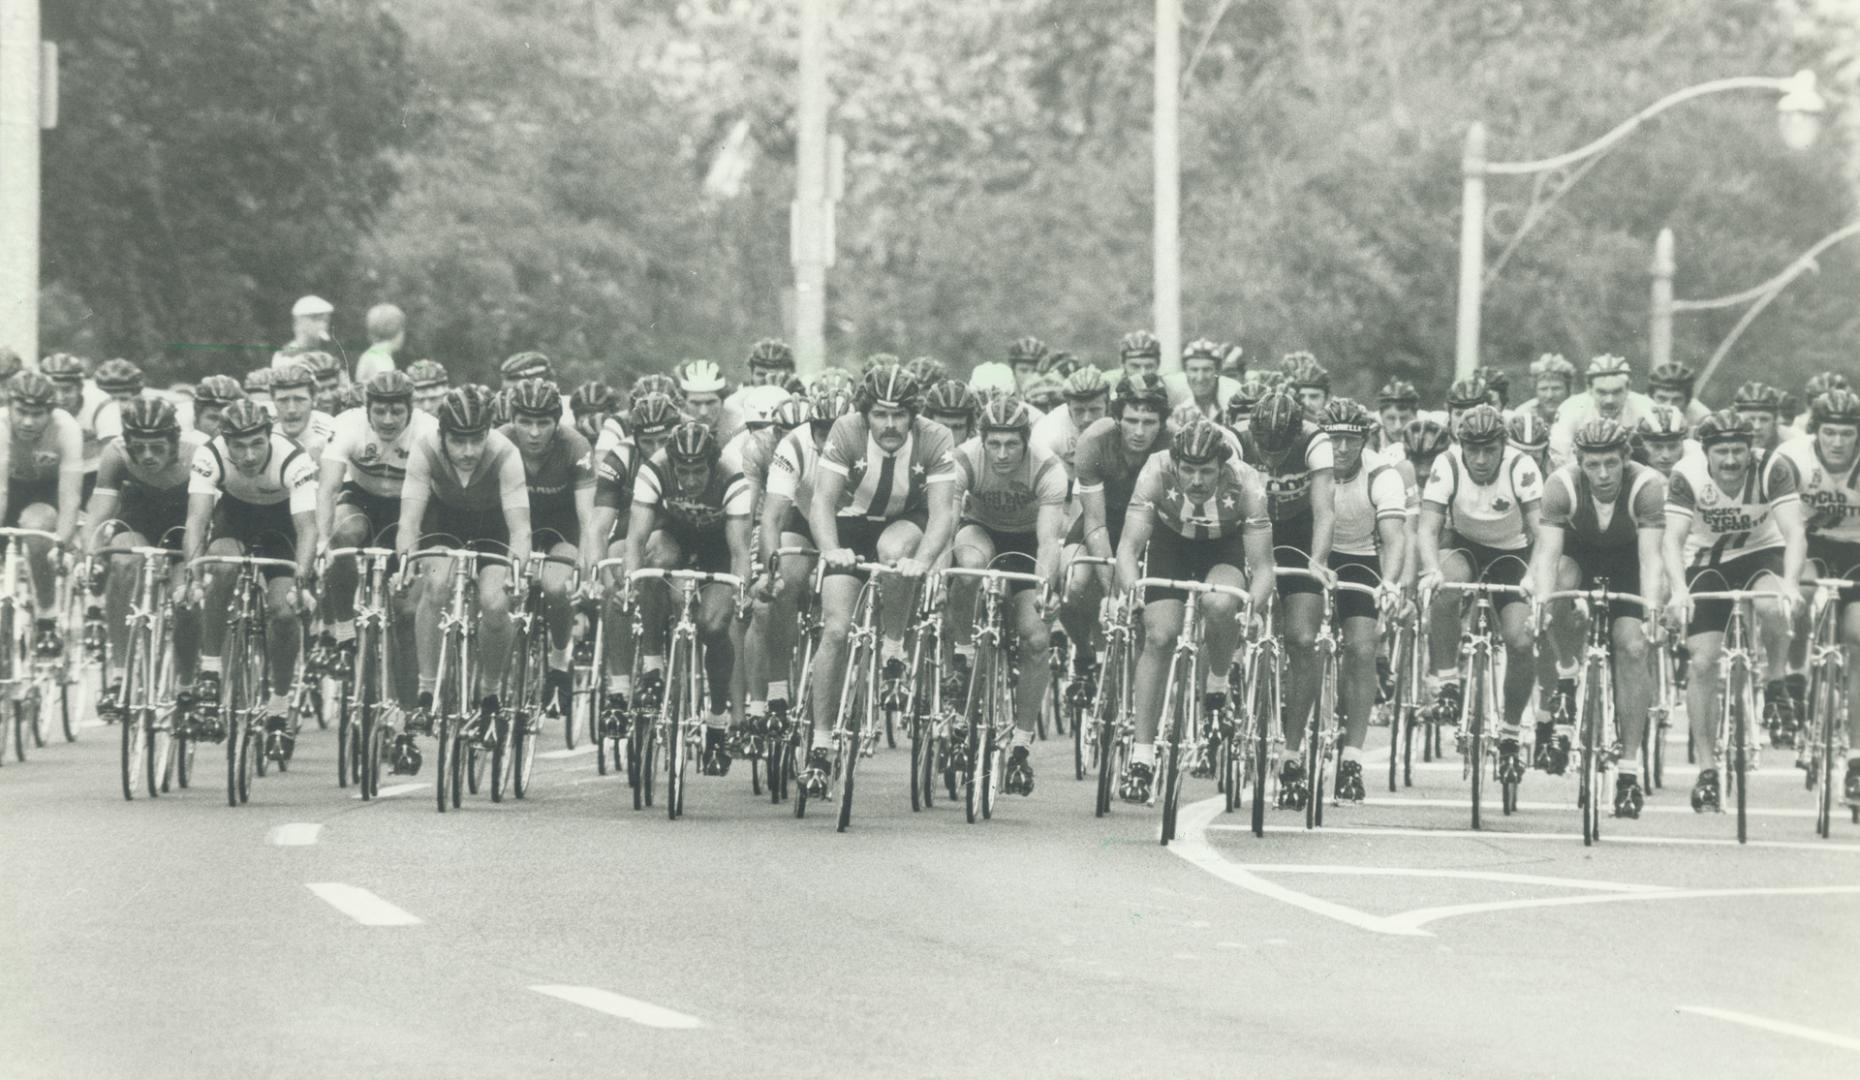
x,y
808,222
21,115
1168,183
1660,334
1472,251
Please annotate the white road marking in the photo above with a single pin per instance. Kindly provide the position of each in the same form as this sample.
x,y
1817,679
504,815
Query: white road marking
x,y
556,755
626,1008
1607,838
396,790
361,905
1465,803
296,834
1781,1027
1462,875
1414,920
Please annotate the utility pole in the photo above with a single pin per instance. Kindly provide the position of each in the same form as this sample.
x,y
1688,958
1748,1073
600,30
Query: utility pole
x,y
23,78
1168,183
810,221
1660,332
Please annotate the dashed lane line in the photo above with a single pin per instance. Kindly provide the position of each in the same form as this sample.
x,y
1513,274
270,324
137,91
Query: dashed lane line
x,y
295,834
626,1008
393,791
361,905
1780,1027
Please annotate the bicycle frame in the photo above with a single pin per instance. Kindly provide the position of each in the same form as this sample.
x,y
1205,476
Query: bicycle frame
x,y
988,715
1739,711
680,725
245,669
1599,739
1482,659
1821,751
366,696
147,707
455,718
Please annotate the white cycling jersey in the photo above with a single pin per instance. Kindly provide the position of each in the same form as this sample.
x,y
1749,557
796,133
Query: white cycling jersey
x,y
1491,515
1376,493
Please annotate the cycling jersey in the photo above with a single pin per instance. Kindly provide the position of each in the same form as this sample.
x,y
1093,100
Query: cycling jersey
x,y
884,486
287,476
1579,409
750,453
691,513
375,465
613,479
1238,500
554,476
1104,464
93,404
1724,527
1375,494
1007,503
58,449
498,483
1831,499
150,504
1176,385
1288,484
1588,524
1490,515
317,432
1058,434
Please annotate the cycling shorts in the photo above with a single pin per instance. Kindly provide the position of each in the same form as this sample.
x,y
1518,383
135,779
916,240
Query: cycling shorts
x,y
861,535
1021,548
1361,570
265,532
796,522
153,514
1179,559
1113,525
23,493
1291,548
1491,565
381,511
708,552
1710,616
89,485
1837,560
552,529
474,530
1619,566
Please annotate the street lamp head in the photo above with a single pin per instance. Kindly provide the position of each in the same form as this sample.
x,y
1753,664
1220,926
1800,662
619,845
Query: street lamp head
x,y
1800,111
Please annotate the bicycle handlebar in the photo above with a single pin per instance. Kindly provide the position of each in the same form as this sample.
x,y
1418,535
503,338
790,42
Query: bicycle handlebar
x,y
701,577
1736,595
28,534
145,552
1589,594
1202,587
254,561
1484,587
467,554
987,575
802,550
359,552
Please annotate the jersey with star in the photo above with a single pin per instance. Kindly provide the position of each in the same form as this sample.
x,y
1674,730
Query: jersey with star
x,y
1238,499
886,486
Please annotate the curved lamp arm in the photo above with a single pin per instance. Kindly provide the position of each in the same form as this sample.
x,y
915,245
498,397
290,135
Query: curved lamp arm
x,y
1763,294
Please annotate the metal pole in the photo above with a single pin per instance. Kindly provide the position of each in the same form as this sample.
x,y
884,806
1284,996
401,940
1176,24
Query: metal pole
x,y
19,177
1168,183
1472,252
808,220
1660,333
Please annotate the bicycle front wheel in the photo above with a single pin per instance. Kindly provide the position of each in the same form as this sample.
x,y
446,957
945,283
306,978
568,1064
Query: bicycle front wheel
x,y
1178,705
1474,725
1589,793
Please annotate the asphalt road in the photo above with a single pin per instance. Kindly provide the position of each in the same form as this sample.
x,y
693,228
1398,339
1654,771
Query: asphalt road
x,y
311,935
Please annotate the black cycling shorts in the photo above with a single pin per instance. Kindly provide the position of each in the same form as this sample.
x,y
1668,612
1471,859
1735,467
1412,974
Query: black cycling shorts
x,y
1837,559
265,532
23,493
1492,566
796,522
473,530
381,511
1022,549
154,514
1710,616
861,535
1179,559
1360,570
1619,566
708,552
1291,548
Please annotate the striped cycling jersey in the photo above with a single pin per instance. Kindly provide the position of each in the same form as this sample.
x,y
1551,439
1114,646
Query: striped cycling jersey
x,y
376,465
725,494
1007,502
1830,497
288,475
59,448
1591,525
884,486
99,420
1375,494
1288,483
1491,514
1237,501
791,470
318,430
750,452
497,481
1725,526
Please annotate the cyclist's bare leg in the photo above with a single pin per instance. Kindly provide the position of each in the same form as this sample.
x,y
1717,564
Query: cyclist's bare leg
x,y
1772,627
716,622
1299,621
430,586
118,594
1567,625
219,586
39,557
898,541
838,594
1702,695
558,614
1220,626
1850,640
617,634
185,630
1514,625
283,631
1162,624
1443,632
1035,672
351,529
496,635
1078,609
972,550
1633,690
778,628
654,598
1356,680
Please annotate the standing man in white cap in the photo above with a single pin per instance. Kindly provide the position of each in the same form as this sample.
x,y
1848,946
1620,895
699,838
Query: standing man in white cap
x,y
387,335
310,317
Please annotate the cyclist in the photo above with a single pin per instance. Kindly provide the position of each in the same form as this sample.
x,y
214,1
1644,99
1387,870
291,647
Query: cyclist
x,y
1812,388
1735,511
1464,396
1139,353
1552,379
79,396
702,385
142,482
1311,382
593,403
1479,517
1660,439
951,404
330,379
769,414
1529,434
770,360
1200,382
1673,384
429,385
1024,357
252,491
1296,464
1086,395
1111,454
211,398
43,452
1497,385
1760,404
123,382
689,512
1827,465
257,386
617,458
1608,394
1013,496
293,400
1396,404
1201,514
1603,519
884,491
522,366
466,489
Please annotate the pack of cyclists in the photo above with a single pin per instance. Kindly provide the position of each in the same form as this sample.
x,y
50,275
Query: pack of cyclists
x,y
792,493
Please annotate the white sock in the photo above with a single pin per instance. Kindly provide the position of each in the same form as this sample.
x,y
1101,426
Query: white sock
x,y
616,684
1144,752
778,689
1352,753
1217,682
280,704
210,663
757,708
343,631
655,663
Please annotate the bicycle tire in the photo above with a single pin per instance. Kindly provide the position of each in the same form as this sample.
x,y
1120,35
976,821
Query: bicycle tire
x,y
442,763
597,735
1740,749
1827,711
67,718
920,781
157,733
1317,744
502,723
365,739
134,752
672,711
803,749
20,723
1265,701
1588,793
1177,701
231,670
1076,717
1475,725
347,760
526,724
848,768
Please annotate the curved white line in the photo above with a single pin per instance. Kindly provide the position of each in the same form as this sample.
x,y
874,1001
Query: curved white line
x,y
1413,920
1463,875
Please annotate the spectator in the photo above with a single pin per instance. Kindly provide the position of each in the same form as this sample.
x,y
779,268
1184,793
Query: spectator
x,y
387,335
310,317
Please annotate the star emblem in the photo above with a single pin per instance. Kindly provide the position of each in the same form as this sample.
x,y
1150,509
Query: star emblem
x,y
917,469
1172,493
1229,501
856,470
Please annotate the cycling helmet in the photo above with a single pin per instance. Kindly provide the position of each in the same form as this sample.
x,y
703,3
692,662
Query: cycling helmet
x,y
427,373
1600,435
350,397
657,383
1006,414
1060,364
1553,364
700,377
465,411
1145,391
1725,425
1277,421
880,359
501,411
32,388
1757,395
1199,443
1607,365
1310,373
794,384
150,418
1202,349
119,377
1527,430
889,386
1398,392
1344,416
1467,393
927,370
757,404
1044,391
535,397
1027,350
790,414
62,368
217,390
1084,384
1662,423
593,397
1672,376
693,443
1496,381
526,365
1244,400
826,406
1482,424
1139,344
992,377
258,379
296,376
1837,406
388,386
1424,438
324,364
949,397
1816,385
771,353
834,379
244,417
655,415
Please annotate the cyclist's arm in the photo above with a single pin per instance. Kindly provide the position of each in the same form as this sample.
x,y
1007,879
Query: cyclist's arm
x,y
644,519
1392,538
1652,565
1050,529
1139,523
104,498
1428,534
736,530
1678,524
593,539
199,523
1323,513
300,479
70,477
330,474
941,527
1788,516
514,488
1257,538
1092,514
306,543
774,512
823,515
1546,555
